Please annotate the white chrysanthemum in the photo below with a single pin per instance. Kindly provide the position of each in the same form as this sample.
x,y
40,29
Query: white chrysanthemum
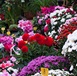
x,y
54,13
71,43
63,20
55,23
69,16
53,20
56,72
52,33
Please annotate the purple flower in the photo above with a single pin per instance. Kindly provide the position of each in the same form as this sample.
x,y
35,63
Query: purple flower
x,y
46,61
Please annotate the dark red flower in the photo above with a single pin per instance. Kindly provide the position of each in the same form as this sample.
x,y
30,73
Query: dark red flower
x,y
48,21
41,41
49,41
21,43
2,16
8,47
46,29
32,38
37,37
25,36
5,59
24,49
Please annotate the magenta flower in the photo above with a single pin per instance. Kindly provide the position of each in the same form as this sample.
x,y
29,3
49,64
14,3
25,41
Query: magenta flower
x,y
25,25
6,40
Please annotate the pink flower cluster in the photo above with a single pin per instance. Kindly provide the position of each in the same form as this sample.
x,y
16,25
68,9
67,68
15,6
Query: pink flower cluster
x,y
25,25
6,65
46,10
6,68
70,20
6,40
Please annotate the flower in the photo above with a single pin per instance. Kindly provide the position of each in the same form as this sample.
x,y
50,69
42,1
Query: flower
x,y
48,21
8,32
13,59
18,39
24,49
46,28
49,41
21,43
34,65
31,38
41,41
2,16
1,45
6,40
25,36
8,47
25,25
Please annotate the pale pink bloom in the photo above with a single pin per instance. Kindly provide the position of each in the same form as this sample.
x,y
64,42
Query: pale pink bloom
x,y
13,59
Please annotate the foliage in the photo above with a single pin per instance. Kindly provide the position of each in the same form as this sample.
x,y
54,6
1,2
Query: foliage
x,y
35,5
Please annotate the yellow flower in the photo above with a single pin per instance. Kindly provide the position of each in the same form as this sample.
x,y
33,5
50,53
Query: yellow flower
x,y
35,28
3,28
8,32
13,35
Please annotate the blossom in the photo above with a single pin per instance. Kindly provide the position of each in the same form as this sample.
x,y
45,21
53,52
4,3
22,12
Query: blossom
x,y
63,20
18,39
1,45
46,28
31,38
25,25
49,41
8,47
24,49
44,10
13,59
34,65
6,40
48,21
2,16
25,36
40,21
21,44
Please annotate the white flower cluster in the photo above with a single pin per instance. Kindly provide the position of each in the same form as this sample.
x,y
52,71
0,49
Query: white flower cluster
x,y
56,72
58,13
70,44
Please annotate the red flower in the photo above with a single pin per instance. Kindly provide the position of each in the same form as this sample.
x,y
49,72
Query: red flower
x,y
41,41
48,21
8,47
32,38
37,37
2,16
24,49
46,29
3,66
49,41
21,44
5,59
25,36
